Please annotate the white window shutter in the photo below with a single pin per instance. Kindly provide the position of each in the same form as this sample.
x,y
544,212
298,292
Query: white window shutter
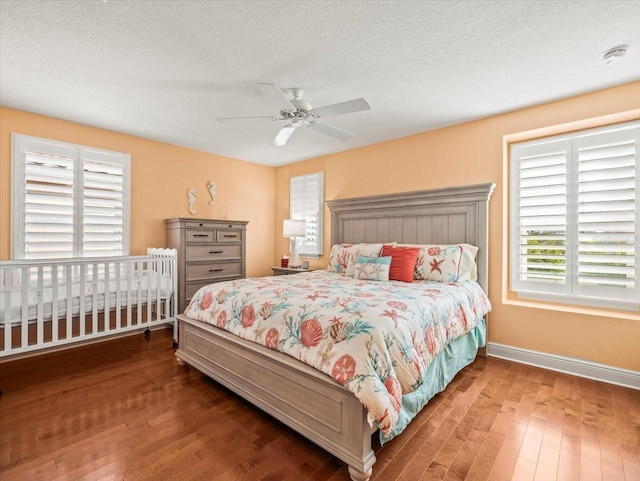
x,y
542,237
68,200
306,201
104,209
48,200
575,221
607,213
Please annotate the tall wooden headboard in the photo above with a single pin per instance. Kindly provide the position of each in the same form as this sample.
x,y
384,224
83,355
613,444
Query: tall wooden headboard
x,y
453,215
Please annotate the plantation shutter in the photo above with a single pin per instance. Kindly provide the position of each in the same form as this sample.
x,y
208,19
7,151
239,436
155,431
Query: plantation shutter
x,y
103,204
48,200
575,217
543,213
307,203
68,200
607,213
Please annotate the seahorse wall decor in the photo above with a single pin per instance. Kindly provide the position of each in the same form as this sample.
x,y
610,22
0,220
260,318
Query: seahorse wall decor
x,y
211,186
191,199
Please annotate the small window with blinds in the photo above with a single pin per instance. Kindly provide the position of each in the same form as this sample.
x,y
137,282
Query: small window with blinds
x,y
307,202
575,218
68,200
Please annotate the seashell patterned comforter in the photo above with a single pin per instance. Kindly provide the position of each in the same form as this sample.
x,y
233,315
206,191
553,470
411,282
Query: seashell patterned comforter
x,y
375,338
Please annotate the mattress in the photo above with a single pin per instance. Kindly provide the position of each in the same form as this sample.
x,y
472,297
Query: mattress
x,y
89,293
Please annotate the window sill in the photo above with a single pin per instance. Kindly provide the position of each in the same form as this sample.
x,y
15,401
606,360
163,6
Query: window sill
x,y
630,312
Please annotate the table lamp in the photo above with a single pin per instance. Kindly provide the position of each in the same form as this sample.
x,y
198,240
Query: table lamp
x,y
294,228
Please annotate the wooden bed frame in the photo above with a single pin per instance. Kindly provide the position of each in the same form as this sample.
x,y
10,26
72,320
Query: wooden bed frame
x,y
306,400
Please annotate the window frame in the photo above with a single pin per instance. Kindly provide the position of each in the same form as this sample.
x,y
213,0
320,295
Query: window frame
x,y
573,294
319,178
19,146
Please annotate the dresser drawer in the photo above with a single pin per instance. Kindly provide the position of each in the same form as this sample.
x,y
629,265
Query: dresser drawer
x,y
212,271
213,252
192,288
200,235
228,235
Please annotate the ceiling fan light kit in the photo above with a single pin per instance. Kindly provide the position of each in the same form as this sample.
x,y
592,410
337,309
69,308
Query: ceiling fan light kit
x,y
301,113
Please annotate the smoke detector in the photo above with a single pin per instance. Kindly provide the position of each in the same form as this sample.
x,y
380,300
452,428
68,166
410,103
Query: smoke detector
x,y
614,54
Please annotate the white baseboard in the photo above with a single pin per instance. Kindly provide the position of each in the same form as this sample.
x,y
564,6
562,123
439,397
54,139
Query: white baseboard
x,y
567,365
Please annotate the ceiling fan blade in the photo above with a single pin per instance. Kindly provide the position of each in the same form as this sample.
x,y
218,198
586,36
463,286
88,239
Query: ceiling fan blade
x,y
332,131
347,107
283,135
231,119
276,95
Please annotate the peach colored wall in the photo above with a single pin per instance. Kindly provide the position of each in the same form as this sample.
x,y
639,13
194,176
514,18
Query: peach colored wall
x,y
473,153
161,174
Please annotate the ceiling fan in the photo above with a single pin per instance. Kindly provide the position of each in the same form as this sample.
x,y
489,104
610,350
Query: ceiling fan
x,y
298,113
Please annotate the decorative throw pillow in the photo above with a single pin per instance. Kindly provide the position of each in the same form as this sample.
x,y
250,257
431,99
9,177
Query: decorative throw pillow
x,y
403,261
439,263
343,257
372,268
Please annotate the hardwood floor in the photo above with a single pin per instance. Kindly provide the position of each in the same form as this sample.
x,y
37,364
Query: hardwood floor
x,y
124,409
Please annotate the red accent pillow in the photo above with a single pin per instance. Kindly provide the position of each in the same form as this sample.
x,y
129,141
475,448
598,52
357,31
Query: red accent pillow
x,y
403,262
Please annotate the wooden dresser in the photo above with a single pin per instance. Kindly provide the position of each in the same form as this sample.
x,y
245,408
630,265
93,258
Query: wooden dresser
x,y
208,251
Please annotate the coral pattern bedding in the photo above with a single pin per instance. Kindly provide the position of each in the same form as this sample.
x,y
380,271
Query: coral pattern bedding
x,y
375,338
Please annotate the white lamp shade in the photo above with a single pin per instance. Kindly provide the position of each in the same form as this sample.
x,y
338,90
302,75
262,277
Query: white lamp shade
x,y
294,228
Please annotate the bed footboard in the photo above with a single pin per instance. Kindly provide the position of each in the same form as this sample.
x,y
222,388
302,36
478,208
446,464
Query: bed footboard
x,y
304,399
53,304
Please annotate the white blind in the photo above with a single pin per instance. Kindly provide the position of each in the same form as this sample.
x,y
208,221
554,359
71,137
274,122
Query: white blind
x,y
543,213
306,201
103,204
68,200
48,202
607,210
575,217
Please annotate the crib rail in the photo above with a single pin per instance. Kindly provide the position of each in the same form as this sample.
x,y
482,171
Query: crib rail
x,y
55,303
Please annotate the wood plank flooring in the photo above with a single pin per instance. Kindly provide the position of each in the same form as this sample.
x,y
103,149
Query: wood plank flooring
x,y
124,410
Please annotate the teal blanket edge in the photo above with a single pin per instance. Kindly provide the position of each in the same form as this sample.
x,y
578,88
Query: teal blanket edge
x,y
457,354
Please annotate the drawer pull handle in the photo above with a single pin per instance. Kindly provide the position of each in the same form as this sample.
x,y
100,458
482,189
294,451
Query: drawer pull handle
x,y
215,252
231,235
200,235
216,270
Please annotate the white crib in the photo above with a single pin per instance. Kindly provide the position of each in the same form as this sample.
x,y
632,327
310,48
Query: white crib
x,y
53,304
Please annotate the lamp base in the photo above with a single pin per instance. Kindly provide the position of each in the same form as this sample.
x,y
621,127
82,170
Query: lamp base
x,y
294,260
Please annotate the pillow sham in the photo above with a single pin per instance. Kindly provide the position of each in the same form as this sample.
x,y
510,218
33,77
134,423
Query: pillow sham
x,y
403,262
445,263
342,258
372,268
468,266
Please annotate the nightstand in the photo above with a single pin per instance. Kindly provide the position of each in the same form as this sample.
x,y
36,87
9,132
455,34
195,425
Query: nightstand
x,y
286,271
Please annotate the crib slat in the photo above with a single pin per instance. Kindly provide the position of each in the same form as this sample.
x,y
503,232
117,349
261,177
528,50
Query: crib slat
x,y
54,303
24,325
118,294
40,307
95,294
8,284
149,299
69,297
81,290
129,290
158,274
107,292
140,267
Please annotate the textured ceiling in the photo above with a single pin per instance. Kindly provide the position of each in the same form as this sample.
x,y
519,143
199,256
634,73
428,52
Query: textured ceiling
x,y
165,70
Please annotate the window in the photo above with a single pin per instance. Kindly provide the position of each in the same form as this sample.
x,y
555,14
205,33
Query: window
x,y
68,200
307,202
575,217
